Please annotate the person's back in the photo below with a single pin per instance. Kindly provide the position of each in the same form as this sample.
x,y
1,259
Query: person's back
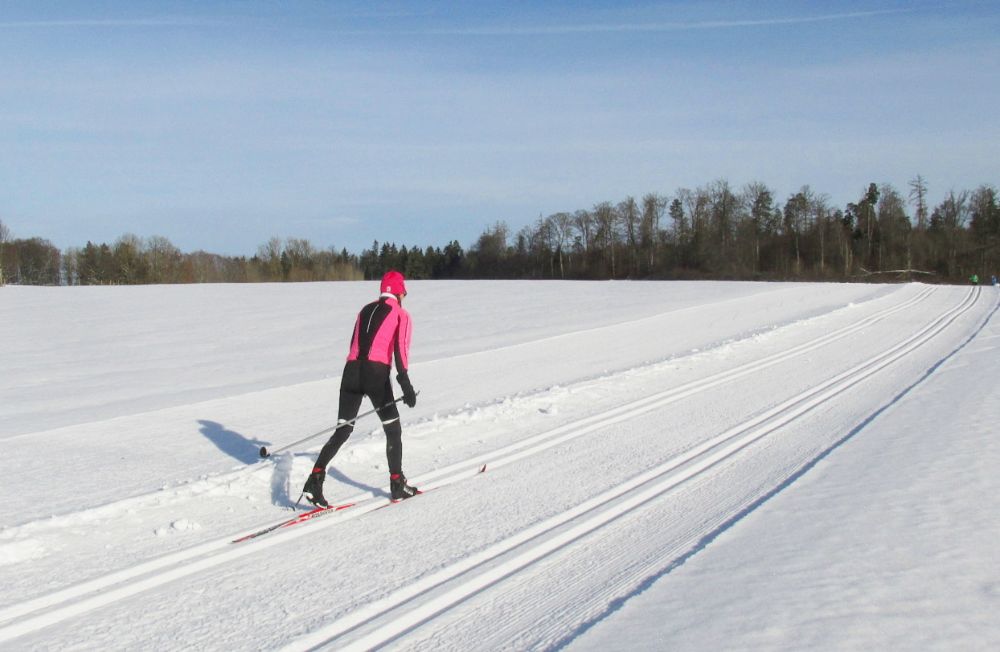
x,y
382,333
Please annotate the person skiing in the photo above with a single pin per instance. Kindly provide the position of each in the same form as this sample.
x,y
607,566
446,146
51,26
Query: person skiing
x,y
381,336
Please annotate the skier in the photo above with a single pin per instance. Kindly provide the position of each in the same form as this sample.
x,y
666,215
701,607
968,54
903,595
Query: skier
x,y
381,334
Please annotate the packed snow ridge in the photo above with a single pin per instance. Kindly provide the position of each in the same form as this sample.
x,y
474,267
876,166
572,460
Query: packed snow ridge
x,y
678,465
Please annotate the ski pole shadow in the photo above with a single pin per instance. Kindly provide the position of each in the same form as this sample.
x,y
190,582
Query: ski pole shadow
x,y
340,477
285,493
231,442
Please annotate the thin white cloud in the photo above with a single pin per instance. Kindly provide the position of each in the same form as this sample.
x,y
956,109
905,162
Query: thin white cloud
x,y
509,30
103,23
679,26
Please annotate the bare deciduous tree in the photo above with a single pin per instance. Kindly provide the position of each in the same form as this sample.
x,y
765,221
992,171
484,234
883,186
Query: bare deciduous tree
x,y
918,196
4,236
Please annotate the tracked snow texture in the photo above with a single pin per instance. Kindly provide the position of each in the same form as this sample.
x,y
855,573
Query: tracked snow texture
x,y
670,465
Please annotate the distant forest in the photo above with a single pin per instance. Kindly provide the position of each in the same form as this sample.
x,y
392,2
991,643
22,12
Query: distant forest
x,y
711,232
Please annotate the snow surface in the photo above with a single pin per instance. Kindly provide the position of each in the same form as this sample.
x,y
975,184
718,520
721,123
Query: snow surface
x,y
683,466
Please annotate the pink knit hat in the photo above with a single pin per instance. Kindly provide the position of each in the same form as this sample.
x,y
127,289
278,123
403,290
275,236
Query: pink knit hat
x,y
393,283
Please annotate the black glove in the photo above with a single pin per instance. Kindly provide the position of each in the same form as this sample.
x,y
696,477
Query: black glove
x,y
409,396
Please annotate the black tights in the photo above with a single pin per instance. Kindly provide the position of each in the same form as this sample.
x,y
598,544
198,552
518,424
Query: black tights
x,y
379,391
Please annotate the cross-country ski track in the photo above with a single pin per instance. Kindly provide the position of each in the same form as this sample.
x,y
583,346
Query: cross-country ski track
x,y
593,489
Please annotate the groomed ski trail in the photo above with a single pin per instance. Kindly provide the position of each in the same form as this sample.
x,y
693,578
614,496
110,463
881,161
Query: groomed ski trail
x,y
381,622
88,596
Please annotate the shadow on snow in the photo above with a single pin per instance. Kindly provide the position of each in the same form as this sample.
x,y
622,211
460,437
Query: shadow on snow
x,y
247,451
231,442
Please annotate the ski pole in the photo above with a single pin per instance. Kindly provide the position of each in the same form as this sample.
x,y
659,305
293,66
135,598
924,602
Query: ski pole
x,y
265,453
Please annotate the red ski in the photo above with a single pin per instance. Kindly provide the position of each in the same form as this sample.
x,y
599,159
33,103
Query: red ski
x,y
301,518
321,511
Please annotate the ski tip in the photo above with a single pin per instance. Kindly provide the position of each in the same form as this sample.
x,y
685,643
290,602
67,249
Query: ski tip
x,y
483,470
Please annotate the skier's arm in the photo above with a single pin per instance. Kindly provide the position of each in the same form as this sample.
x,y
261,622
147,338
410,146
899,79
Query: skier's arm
x,y
402,355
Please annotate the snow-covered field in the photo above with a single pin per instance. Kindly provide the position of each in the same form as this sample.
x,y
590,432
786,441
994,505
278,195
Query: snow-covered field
x,y
669,466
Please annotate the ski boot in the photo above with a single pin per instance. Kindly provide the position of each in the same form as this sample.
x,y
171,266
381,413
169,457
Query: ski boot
x,y
313,488
399,489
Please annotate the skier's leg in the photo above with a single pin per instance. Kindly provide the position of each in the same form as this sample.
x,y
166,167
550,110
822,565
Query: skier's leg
x,y
398,486
350,403
381,395
394,446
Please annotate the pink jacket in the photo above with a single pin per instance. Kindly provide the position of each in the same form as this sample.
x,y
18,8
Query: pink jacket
x,y
382,332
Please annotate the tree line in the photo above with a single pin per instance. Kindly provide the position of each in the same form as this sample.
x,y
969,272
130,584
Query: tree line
x,y
719,232
711,232
132,260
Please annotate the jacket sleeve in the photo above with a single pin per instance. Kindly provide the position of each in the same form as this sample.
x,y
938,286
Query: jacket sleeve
x,y
354,350
403,335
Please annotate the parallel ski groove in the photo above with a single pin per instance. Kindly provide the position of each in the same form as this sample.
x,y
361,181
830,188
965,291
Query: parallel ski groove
x,y
385,619
119,585
571,602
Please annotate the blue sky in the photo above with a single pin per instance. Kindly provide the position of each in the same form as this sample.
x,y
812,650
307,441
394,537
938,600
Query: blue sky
x,y
222,124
